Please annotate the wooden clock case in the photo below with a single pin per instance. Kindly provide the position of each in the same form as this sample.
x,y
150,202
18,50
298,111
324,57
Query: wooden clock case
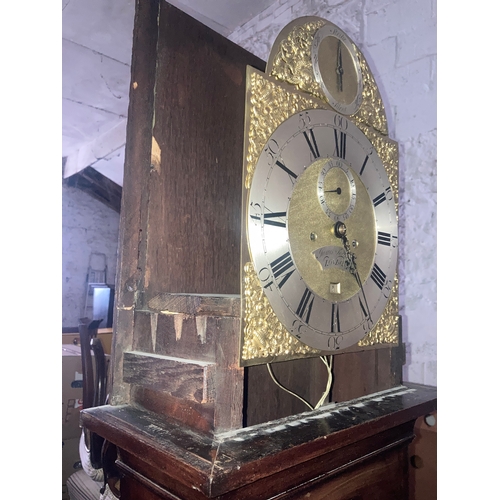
x,y
184,419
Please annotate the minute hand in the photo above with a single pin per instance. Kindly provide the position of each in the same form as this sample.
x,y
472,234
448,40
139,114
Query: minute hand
x,y
341,232
356,275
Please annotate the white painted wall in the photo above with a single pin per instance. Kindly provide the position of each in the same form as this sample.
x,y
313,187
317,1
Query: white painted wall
x,y
87,226
398,38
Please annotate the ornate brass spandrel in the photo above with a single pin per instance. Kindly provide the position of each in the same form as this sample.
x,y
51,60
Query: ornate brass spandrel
x,y
386,330
265,339
268,105
292,63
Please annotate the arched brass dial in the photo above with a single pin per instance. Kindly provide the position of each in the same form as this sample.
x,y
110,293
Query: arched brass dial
x,y
337,69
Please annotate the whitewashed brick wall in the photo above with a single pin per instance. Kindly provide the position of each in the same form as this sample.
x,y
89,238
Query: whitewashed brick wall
x,y
87,226
398,38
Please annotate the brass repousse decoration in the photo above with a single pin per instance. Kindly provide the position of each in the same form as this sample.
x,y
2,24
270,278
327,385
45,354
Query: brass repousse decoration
x,y
268,105
265,338
289,89
292,62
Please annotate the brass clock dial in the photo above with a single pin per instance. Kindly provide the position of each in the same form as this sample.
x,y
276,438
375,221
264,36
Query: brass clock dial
x,y
336,189
320,239
322,229
336,68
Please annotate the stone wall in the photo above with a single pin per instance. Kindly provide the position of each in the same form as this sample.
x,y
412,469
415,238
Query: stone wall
x,y
398,38
88,226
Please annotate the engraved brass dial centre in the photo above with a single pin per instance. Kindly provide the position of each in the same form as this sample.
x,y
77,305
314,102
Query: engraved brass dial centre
x,y
322,260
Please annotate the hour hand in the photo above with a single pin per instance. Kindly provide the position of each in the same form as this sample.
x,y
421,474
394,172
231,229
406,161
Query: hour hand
x,y
340,69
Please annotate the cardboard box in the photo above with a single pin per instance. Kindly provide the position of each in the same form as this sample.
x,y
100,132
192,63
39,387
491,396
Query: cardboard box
x,y
70,461
72,391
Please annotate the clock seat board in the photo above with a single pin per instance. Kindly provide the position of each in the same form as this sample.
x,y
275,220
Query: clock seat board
x,y
353,450
178,389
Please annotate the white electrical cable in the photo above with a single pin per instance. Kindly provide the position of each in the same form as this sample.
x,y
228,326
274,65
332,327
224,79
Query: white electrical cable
x,y
328,363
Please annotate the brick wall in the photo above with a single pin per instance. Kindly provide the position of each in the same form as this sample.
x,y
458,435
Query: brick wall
x,y
398,38
87,226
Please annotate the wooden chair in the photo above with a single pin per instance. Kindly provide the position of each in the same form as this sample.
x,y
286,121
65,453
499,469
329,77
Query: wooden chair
x,y
89,482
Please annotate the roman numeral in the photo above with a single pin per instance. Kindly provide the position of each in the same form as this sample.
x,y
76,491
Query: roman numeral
x,y
335,323
363,166
387,194
367,319
272,215
384,239
305,306
280,266
286,169
379,199
378,276
311,142
340,143
335,340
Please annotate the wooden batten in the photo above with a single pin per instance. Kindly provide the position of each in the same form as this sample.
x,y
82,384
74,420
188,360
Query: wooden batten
x,y
97,185
186,379
196,304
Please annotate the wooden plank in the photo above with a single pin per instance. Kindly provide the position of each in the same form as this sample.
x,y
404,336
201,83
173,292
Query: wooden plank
x,y
229,377
195,195
192,414
133,216
144,336
355,375
264,400
186,379
212,305
185,336
360,373
382,475
339,476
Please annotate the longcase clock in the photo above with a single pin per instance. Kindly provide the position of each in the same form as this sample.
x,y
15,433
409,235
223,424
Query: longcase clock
x,y
226,267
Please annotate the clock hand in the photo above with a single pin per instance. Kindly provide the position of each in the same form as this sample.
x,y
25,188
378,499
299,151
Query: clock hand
x,y
340,69
341,232
338,191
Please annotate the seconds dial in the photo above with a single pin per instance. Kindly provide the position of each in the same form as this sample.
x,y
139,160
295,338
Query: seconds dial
x,y
336,190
